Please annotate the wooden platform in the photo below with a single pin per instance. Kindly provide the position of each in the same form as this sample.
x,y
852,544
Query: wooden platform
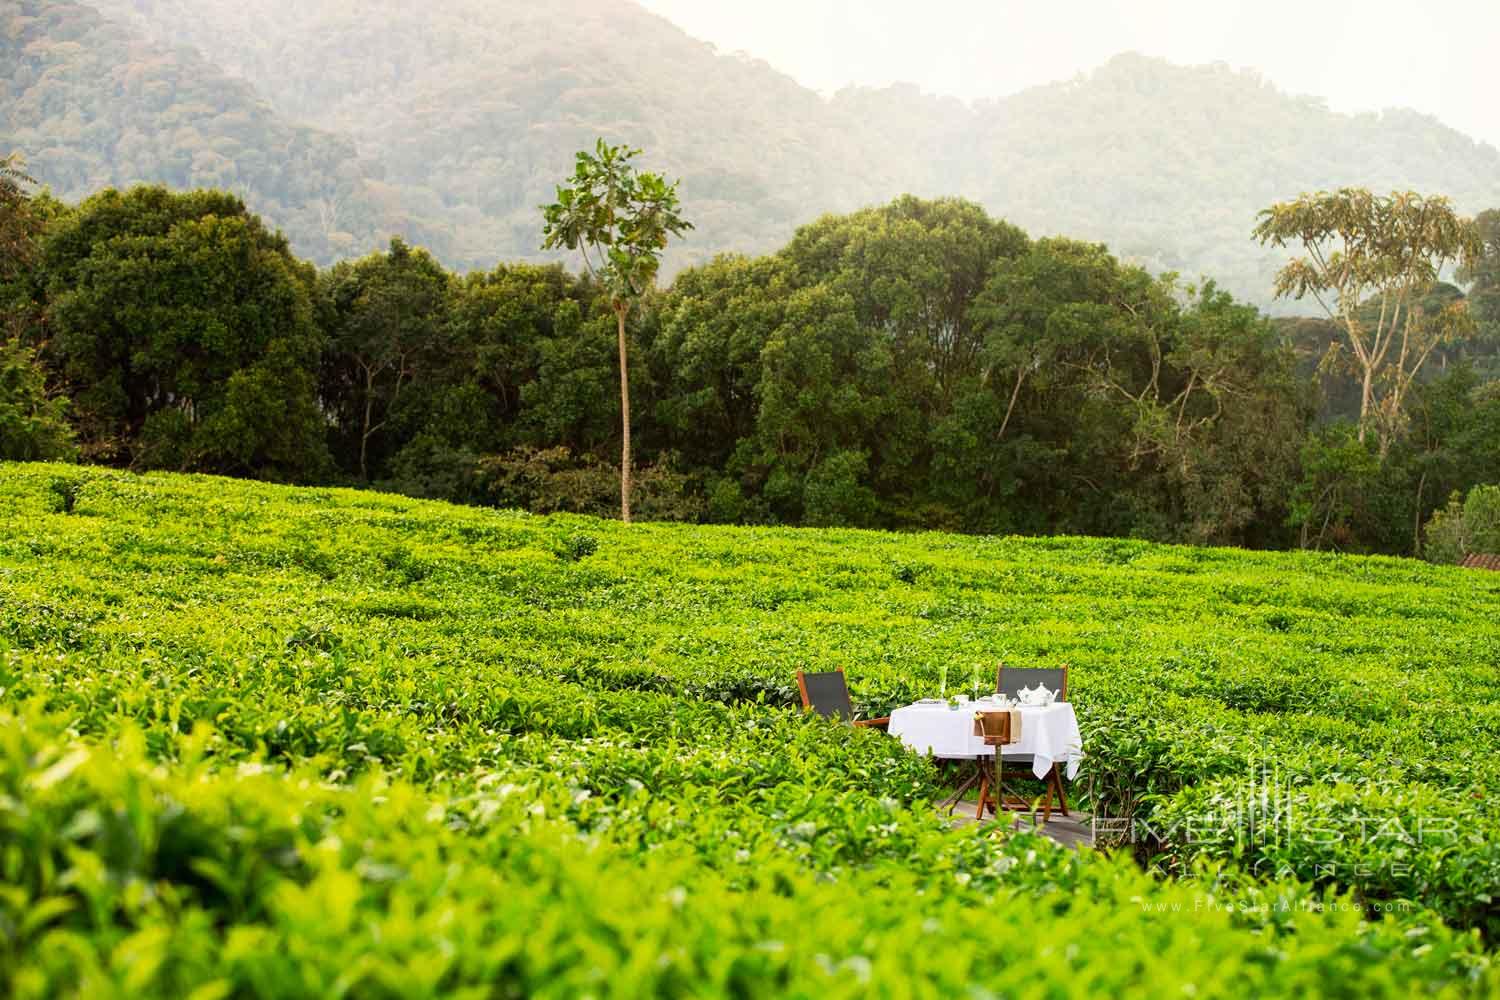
x,y
1076,830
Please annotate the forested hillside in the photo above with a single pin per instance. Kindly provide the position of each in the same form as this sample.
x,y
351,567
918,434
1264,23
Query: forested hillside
x,y
474,108
91,103
1170,164
464,113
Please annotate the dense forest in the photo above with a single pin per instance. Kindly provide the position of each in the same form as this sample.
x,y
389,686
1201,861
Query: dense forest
x,y
344,124
918,365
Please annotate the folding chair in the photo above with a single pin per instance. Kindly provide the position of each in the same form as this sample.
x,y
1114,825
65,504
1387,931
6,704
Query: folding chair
x,y
827,693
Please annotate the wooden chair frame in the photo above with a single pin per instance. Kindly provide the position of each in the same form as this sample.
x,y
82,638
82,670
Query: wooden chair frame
x,y
1019,803
881,723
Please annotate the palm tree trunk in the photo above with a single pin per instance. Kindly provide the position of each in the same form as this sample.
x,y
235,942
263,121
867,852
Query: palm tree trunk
x,y
364,431
1020,375
624,416
1416,531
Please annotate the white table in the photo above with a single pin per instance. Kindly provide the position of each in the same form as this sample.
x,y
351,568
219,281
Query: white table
x,y
1049,734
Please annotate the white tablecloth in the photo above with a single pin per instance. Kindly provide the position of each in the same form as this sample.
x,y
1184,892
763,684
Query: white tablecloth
x,y
1048,733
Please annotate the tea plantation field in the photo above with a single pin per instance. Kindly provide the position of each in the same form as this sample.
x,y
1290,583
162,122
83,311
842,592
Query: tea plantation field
x,y
259,741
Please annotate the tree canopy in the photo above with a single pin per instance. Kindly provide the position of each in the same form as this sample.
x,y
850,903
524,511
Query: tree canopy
x,y
1372,262
184,332
915,365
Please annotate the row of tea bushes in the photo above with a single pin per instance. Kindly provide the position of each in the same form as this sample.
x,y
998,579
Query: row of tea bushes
x,y
128,876
632,696
1391,843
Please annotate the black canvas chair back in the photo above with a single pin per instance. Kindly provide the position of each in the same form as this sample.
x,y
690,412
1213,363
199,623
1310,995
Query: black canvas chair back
x,y
1009,680
826,693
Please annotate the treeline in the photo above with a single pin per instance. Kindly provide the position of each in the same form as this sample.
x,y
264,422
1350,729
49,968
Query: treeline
x,y
918,365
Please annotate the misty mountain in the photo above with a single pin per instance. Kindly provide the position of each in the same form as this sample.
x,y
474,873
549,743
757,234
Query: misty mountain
x,y
449,122
474,109
93,103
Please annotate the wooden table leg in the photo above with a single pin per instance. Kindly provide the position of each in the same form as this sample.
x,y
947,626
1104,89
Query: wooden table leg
x,y
951,802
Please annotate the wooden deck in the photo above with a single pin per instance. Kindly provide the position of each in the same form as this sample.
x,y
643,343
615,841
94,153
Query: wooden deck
x,y
1076,830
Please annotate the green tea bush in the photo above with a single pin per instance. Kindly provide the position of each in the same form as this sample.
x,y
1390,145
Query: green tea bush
x,y
1394,843
577,546
126,877
259,741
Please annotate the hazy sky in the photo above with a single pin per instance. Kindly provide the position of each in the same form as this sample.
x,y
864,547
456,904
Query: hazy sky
x,y
1440,58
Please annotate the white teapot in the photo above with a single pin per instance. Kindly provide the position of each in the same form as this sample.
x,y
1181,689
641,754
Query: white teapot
x,y
1038,695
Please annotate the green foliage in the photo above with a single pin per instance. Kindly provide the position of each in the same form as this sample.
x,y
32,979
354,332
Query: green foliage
x,y
619,220
184,332
1224,431
1337,469
383,316
422,724
820,391
511,364
835,493
1349,499
1371,263
1464,526
576,546
1483,276
617,217
33,422
713,326
268,423
18,224
552,480
1341,389
549,480
914,365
